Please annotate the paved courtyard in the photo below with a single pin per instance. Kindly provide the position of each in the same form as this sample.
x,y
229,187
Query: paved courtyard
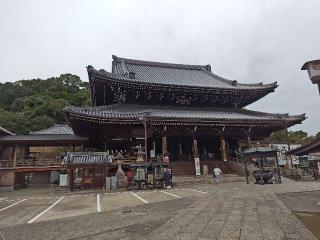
x,y
198,211
29,209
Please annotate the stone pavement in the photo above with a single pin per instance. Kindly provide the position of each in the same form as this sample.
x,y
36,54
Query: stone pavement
x,y
239,211
227,211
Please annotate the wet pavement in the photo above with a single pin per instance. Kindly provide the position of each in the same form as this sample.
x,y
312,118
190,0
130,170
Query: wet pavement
x,y
306,206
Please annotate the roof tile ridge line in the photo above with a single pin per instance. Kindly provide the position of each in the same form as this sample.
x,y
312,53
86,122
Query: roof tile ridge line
x,y
6,131
273,84
158,64
124,67
90,69
302,115
41,130
113,106
306,145
218,77
279,115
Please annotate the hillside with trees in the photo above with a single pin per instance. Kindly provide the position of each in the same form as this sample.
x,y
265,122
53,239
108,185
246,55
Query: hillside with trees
x,y
298,137
29,105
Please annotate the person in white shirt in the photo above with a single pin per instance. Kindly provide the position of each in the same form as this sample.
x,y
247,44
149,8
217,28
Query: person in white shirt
x,y
217,175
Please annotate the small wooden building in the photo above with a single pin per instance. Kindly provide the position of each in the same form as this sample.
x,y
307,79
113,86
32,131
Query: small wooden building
x,y
35,158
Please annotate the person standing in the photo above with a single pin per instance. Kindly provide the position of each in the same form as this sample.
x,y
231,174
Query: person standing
x,y
217,175
167,178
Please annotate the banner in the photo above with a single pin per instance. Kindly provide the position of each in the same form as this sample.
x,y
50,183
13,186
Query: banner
x,y
63,181
197,166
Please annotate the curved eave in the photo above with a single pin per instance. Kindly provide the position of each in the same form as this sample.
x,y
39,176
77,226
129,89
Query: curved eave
x,y
124,79
136,120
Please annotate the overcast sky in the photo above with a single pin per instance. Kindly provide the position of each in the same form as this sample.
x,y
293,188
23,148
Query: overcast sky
x,y
250,41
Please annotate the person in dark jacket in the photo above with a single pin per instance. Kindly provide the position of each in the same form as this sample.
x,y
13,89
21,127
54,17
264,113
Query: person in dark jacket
x,y
167,178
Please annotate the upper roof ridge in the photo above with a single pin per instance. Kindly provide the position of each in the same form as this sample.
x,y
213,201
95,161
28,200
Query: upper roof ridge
x,y
58,129
158,64
6,131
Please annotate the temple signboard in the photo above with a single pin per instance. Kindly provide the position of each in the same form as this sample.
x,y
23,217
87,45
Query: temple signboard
x,y
197,166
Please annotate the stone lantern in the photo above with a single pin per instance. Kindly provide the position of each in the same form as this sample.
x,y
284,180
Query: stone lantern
x,y
313,68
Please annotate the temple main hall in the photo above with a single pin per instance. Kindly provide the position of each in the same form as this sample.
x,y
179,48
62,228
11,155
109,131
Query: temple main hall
x,y
154,111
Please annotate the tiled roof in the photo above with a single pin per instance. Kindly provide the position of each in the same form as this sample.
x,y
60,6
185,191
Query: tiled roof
x,y
313,147
174,74
57,129
4,132
133,111
80,158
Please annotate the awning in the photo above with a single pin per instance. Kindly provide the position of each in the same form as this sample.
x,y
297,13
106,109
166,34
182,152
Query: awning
x,y
260,152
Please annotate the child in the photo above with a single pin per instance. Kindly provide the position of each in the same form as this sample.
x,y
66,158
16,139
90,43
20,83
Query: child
x,y
217,175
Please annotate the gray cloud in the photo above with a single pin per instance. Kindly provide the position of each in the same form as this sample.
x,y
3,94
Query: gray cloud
x,y
251,41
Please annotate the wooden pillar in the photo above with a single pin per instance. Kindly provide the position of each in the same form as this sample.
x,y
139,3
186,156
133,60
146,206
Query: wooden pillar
x,y
180,148
164,146
15,153
223,148
145,138
70,179
195,148
104,177
83,176
82,147
289,146
248,140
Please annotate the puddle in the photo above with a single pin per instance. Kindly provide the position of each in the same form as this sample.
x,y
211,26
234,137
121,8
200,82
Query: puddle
x,y
311,220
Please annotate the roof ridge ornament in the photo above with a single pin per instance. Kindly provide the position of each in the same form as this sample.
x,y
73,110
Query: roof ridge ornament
x,y
208,67
132,75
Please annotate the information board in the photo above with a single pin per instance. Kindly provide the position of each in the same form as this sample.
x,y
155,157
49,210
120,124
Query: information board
x,y
197,166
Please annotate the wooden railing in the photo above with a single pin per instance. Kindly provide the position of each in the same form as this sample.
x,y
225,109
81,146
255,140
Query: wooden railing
x,y
29,163
6,164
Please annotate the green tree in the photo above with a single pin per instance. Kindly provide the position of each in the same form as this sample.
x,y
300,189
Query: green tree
x,y
299,137
28,105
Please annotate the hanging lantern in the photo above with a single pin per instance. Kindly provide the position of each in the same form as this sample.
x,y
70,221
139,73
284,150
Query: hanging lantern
x,y
313,68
